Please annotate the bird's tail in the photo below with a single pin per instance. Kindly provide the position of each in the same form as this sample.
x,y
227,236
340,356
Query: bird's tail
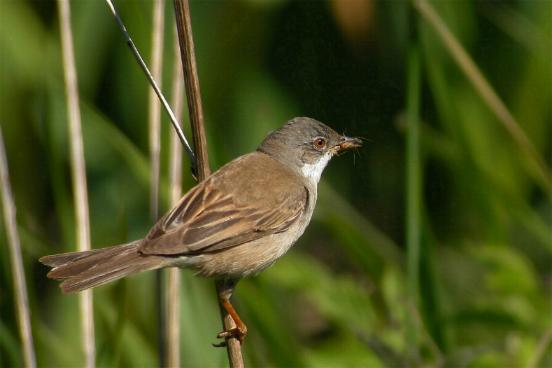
x,y
84,270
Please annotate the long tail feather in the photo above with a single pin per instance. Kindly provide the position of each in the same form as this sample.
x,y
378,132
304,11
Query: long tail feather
x,y
83,270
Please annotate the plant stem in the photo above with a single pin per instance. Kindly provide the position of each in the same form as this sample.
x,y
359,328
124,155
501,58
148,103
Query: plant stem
x,y
175,189
191,81
154,105
184,27
151,80
19,283
154,123
78,169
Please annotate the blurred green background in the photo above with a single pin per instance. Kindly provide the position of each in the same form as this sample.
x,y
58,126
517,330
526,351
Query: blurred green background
x,y
354,291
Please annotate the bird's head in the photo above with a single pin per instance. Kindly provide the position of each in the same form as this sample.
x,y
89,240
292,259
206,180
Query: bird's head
x,y
306,145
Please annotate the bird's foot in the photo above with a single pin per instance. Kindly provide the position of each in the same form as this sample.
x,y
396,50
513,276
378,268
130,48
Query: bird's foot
x,y
237,332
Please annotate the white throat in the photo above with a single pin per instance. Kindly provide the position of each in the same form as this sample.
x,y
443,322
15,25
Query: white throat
x,y
314,171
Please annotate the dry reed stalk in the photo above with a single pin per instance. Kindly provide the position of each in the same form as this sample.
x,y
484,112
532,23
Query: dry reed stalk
x,y
19,283
154,105
175,191
191,80
78,170
154,123
539,169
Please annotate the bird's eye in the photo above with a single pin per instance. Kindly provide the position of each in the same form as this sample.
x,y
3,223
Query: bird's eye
x,y
319,143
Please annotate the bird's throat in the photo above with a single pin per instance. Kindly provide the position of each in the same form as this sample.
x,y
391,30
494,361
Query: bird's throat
x,y
314,171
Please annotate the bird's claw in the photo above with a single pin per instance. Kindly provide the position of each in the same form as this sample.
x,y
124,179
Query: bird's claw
x,y
236,332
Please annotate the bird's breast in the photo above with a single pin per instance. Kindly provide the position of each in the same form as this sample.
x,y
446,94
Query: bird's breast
x,y
252,257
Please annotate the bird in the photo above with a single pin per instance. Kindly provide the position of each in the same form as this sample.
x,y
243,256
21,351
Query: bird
x,y
234,224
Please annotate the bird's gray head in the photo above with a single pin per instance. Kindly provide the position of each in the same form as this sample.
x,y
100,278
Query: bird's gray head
x,y
306,145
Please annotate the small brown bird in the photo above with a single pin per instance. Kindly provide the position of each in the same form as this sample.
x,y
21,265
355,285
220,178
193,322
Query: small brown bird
x,y
235,223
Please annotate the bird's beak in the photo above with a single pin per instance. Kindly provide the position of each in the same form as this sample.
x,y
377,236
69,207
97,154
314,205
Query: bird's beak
x,y
347,143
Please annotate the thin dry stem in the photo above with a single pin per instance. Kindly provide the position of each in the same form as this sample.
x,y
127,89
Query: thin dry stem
x,y
19,283
175,160
191,80
154,110
175,190
151,80
460,56
185,36
80,191
154,105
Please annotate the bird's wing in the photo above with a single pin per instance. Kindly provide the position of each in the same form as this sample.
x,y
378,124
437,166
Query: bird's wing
x,y
231,207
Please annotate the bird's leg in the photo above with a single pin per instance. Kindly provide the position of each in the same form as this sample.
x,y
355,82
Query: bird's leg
x,y
225,289
240,331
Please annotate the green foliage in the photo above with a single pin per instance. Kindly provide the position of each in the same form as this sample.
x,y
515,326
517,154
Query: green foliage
x,y
475,293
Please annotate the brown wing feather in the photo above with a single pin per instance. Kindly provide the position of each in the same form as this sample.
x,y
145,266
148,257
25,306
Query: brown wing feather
x,y
228,209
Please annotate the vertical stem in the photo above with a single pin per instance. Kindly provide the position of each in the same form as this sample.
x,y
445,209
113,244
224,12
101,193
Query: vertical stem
x,y
155,148
154,105
413,193
19,283
187,52
80,191
175,189
191,80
